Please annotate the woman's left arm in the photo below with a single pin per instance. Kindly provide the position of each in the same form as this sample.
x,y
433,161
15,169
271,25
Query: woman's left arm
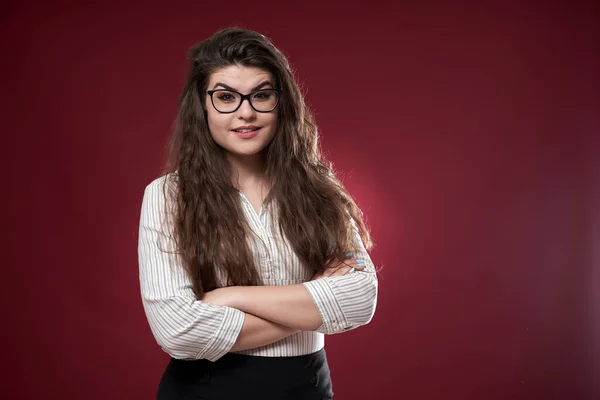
x,y
328,305
348,301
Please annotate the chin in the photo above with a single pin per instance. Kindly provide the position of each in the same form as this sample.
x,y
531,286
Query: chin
x,y
248,153
248,149
244,151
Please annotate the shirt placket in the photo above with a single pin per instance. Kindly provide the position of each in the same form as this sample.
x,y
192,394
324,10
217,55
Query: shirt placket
x,y
263,244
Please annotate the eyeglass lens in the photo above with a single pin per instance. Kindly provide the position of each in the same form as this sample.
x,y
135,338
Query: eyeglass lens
x,y
261,100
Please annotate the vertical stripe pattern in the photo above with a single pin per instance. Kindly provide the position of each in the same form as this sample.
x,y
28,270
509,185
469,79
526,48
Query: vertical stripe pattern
x,y
187,328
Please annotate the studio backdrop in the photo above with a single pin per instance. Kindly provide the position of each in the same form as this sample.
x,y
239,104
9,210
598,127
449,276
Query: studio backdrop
x,y
466,131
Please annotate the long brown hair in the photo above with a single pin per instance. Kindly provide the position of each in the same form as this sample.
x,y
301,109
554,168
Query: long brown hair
x,y
209,227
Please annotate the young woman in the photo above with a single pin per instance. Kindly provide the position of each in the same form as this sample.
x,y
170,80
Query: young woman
x,y
250,249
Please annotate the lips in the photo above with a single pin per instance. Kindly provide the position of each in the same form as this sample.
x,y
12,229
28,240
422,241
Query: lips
x,y
246,128
246,133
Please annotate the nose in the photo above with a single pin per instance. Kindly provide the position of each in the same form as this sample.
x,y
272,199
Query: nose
x,y
246,111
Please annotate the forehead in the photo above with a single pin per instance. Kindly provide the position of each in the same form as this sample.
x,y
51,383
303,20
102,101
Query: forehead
x,y
239,77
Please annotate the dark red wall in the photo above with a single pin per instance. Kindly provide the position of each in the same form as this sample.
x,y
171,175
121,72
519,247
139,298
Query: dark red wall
x,y
468,133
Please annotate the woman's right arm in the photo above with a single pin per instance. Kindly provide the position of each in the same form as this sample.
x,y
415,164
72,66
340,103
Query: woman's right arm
x,y
184,327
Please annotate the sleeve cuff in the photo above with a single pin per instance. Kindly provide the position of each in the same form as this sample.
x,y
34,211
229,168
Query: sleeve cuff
x,y
226,336
328,306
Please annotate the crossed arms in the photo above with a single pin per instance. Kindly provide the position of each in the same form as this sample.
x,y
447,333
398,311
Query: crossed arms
x,y
241,317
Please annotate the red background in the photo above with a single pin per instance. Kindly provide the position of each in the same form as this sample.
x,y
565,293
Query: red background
x,y
468,134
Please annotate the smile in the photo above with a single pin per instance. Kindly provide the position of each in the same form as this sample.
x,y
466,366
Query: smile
x,y
246,133
246,130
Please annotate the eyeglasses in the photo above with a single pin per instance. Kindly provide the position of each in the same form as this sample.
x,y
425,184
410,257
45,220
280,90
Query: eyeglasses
x,y
228,101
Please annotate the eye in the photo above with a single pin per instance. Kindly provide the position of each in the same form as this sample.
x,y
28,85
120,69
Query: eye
x,y
263,95
226,97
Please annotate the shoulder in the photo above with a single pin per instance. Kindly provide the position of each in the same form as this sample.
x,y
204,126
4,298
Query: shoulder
x,y
168,180
160,189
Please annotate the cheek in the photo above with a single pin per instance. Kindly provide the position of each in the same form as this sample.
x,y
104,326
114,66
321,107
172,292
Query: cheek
x,y
274,119
217,123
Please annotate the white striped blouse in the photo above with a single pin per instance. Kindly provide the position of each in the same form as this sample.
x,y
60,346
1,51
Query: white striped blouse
x,y
187,328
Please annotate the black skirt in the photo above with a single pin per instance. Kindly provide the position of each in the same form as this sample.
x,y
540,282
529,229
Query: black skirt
x,y
237,376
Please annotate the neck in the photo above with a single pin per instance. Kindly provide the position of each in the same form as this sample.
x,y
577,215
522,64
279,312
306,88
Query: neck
x,y
247,170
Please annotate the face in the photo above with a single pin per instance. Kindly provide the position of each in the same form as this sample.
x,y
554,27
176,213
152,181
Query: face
x,y
225,128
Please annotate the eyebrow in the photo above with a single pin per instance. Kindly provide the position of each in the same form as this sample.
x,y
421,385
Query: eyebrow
x,y
259,86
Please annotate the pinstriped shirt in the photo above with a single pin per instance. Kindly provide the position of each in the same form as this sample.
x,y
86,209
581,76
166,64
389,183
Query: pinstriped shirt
x,y
187,328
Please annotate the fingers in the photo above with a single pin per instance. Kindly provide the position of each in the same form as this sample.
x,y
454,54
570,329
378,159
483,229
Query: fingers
x,y
336,267
334,263
345,267
343,271
353,263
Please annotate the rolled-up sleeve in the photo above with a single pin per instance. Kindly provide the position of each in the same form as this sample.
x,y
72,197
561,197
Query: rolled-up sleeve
x,y
349,301
184,327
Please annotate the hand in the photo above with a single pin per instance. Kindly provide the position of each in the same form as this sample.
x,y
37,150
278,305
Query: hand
x,y
219,297
338,268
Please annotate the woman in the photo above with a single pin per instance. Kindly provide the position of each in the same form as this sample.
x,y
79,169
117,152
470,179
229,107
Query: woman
x,y
250,250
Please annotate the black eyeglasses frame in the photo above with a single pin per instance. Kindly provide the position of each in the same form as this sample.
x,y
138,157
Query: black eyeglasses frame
x,y
242,98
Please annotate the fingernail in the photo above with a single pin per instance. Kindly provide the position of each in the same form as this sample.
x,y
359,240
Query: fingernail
x,y
351,270
360,262
349,254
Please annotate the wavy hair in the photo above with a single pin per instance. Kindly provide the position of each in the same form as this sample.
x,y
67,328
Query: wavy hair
x,y
316,213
